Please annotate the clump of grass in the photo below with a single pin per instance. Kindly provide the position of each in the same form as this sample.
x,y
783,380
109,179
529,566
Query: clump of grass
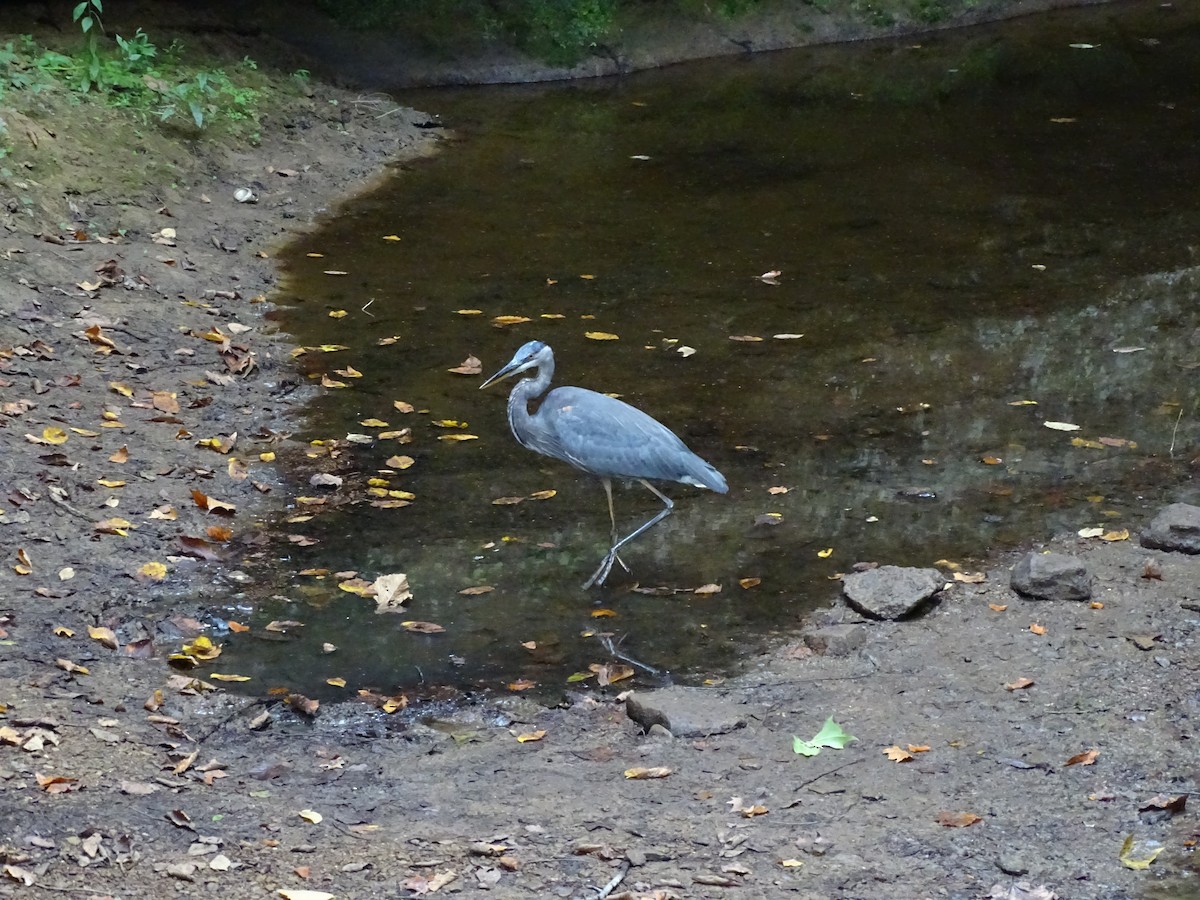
x,y
133,73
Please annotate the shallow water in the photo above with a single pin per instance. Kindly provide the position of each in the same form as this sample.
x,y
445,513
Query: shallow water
x,y
962,222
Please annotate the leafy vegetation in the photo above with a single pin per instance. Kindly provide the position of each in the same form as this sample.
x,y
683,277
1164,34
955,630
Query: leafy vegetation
x,y
557,31
133,73
562,32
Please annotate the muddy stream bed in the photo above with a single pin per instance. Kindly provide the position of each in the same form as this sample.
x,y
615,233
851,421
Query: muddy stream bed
x,y
977,234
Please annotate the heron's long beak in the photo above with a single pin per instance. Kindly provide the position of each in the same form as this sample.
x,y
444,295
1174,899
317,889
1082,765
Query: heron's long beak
x,y
509,369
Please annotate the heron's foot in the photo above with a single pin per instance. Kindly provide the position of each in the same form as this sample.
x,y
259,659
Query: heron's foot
x,y
606,565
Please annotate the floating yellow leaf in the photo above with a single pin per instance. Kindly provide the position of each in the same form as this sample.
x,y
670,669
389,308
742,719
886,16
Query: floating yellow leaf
x,y
747,583
63,631
373,423
505,321
1122,535
391,237
603,613
897,754
826,553
458,437
201,648
399,462
120,457
528,736
115,526
991,460
54,435
600,336
267,456
73,668
643,773
310,815
1037,629
542,495
218,676
1022,403
336,682
1084,442
110,483
123,389
85,432
1139,854
152,571
103,636
422,627
1087,758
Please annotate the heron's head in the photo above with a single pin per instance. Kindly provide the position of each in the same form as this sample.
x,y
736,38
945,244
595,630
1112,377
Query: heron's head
x,y
532,355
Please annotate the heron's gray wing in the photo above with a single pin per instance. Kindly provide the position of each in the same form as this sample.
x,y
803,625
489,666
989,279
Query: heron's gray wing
x,y
609,438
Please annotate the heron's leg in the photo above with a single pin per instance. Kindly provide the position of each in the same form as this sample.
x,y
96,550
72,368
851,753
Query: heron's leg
x,y
612,517
607,563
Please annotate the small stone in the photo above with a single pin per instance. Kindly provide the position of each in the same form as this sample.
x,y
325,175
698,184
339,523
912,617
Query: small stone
x,y
1052,576
1011,863
182,871
835,640
635,857
891,592
685,711
1177,527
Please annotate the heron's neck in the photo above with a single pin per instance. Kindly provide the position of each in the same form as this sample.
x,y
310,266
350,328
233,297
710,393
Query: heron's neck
x,y
519,418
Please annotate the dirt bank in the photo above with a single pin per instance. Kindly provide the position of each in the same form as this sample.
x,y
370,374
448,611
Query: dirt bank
x,y
142,380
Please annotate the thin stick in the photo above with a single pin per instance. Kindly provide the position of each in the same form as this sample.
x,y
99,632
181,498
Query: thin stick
x,y
612,648
1174,432
853,762
616,879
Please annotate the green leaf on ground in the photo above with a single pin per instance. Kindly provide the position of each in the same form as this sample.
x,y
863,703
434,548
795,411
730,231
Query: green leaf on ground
x,y
831,735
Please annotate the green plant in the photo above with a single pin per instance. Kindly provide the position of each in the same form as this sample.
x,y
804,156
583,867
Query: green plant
x,y
137,52
87,16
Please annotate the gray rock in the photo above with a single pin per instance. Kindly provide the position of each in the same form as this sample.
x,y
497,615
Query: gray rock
x,y
685,711
1012,863
891,592
1177,527
1052,576
835,640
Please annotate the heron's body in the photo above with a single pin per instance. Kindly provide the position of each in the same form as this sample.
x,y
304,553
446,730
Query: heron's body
x,y
600,435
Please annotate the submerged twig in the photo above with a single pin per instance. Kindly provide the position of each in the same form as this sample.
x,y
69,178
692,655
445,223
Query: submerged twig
x,y
614,881
611,647
1175,431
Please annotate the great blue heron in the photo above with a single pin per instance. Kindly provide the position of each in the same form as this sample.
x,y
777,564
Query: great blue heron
x,y
599,435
